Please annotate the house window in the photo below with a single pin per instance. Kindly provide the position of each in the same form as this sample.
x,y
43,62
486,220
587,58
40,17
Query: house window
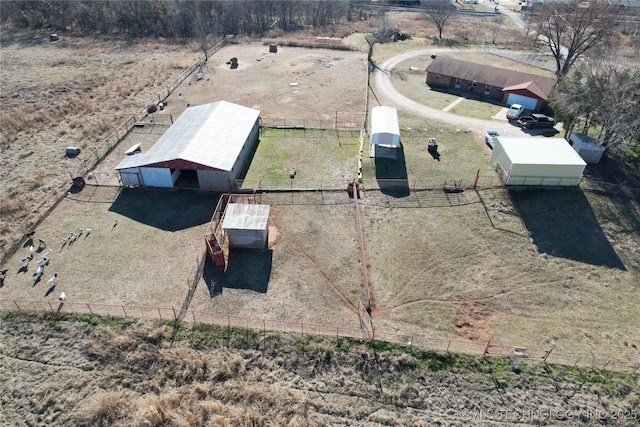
x,y
458,83
437,76
487,89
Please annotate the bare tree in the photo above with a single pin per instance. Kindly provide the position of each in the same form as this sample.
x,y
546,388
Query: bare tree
x,y
571,30
439,12
497,26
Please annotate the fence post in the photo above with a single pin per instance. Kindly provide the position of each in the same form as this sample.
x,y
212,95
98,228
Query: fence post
x,y
547,353
175,317
159,313
125,312
449,344
50,306
14,301
486,348
89,307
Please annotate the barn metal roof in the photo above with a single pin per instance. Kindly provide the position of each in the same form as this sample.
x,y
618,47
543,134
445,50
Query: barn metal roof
x,y
211,134
245,216
384,120
540,151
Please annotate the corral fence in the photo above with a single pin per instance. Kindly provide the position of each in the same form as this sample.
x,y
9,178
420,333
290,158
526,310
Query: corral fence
x,y
341,121
263,325
410,185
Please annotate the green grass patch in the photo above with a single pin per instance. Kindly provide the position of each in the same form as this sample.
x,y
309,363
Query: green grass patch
x,y
316,154
476,109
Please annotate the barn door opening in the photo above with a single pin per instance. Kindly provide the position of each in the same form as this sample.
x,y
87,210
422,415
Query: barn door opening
x,y
188,179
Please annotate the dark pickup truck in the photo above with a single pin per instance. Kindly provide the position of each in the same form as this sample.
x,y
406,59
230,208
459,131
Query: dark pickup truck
x,y
536,121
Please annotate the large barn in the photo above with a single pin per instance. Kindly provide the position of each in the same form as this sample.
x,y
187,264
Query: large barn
x,y
537,161
207,147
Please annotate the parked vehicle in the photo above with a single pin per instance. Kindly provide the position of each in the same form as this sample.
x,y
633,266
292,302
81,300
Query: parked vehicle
x,y
515,111
489,138
536,121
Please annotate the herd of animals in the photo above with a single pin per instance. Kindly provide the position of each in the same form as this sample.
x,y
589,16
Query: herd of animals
x,y
45,258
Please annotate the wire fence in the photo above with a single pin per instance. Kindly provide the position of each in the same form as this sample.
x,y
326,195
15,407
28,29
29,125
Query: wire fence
x,y
263,325
341,121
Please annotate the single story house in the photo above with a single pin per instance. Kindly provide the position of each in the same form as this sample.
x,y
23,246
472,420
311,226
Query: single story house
x,y
505,86
537,161
385,132
207,147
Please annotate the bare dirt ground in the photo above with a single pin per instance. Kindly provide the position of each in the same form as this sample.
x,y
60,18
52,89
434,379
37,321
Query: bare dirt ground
x,y
83,372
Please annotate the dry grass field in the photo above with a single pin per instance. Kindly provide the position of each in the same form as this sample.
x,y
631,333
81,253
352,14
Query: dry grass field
x,y
85,371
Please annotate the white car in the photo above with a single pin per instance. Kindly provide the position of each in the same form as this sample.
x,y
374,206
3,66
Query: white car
x,y
488,137
514,111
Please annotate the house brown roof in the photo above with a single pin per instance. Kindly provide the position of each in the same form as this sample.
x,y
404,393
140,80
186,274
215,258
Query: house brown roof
x,y
498,77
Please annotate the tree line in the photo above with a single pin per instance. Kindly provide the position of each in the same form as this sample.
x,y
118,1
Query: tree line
x,y
177,18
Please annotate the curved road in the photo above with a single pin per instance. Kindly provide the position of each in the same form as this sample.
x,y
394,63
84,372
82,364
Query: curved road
x,y
385,89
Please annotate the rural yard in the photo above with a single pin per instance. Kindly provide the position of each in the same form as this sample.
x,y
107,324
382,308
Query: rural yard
x,y
474,266
552,269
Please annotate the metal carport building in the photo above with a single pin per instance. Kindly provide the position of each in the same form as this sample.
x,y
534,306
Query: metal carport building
x,y
207,146
537,161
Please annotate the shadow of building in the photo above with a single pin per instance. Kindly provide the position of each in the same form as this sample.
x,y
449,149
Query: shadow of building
x,y
562,224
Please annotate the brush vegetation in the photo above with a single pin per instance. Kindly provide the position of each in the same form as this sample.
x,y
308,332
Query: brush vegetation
x,y
79,370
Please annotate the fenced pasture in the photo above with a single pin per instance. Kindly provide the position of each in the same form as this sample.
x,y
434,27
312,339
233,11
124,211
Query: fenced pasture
x,y
136,248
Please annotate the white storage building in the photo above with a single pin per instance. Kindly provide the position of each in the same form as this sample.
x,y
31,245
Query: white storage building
x,y
385,132
588,148
246,225
537,161
208,144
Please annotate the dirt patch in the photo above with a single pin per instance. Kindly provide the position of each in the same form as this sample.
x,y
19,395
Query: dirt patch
x,y
294,83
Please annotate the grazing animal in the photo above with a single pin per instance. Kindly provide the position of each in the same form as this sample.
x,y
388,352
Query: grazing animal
x,y
39,271
3,273
43,261
47,255
30,234
72,238
25,261
52,282
62,297
87,233
115,223
42,244
80,233
32,249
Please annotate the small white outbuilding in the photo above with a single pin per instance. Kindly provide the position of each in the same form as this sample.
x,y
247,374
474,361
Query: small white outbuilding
x,y
385,132
588,148
537,161
246,225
